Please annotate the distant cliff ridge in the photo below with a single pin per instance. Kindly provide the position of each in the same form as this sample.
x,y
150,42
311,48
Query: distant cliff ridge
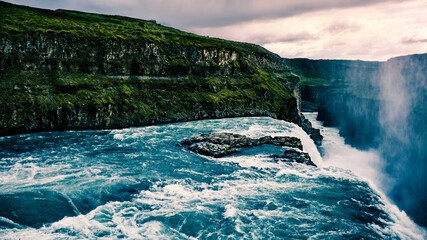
x,y
345,93
65,70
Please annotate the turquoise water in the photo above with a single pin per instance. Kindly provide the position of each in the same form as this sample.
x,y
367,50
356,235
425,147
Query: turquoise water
x,y
139,183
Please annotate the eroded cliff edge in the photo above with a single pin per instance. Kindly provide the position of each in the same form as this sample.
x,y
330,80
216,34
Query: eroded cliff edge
x,y
64,70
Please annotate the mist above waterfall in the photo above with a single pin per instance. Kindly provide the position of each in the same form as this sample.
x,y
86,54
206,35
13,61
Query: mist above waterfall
x,y
379,106
402,117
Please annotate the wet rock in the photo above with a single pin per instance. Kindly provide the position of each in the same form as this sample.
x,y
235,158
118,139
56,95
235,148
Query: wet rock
x,y
224,144
239,141
292,155
230,139
280,141
312,132
212,149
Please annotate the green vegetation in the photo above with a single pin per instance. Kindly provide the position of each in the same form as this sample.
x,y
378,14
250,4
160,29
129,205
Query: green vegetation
x,y
134,98
337,76
73,70
18,20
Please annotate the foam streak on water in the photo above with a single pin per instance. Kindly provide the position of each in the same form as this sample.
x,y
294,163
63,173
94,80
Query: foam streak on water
x,y
139,183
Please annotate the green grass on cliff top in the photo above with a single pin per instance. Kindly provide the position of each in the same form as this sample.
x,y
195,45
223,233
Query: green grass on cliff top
x,y
16,20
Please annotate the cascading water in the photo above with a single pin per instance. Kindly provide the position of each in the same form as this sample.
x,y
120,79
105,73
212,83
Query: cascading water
x,y
384,107
139,183
403,114
367,164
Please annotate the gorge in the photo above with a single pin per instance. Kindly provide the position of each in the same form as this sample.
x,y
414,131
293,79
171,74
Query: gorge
x,y
101,119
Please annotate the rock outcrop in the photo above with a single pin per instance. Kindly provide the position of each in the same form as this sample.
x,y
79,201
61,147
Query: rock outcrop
x,y
224,144
292,155
312,132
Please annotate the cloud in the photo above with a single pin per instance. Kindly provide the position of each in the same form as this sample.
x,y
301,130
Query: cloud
x,y
340,27
289,37
196,13
374,32
414,40
263,38
349,29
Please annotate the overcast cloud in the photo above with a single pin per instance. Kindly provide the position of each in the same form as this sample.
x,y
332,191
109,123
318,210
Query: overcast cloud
x,y
201,13
349,29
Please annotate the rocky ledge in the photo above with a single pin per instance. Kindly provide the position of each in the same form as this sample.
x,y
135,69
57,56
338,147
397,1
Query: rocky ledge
x,y
292,155
224,144
312,132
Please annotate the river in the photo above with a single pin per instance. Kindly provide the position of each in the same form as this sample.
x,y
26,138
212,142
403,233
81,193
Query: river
x,y
139,183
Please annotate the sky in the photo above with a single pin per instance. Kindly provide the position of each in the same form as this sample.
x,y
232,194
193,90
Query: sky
x,y
319,29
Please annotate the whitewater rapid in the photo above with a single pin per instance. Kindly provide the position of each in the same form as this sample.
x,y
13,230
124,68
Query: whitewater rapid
x,y
139,183
369,166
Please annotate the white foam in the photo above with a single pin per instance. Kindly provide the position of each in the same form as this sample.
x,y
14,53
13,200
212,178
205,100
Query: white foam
x,y
31,173
367,165
119,136
290,171
177,190
230,211
400,225
260,161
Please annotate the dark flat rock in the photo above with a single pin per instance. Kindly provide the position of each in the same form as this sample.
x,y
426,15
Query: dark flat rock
x,y
224,144
239,141
212,149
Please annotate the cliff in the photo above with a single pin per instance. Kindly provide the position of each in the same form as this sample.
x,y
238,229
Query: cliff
x,y
345,94
64,70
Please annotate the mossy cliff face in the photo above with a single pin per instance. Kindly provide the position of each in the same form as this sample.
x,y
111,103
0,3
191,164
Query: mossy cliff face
x,y
65,70
65,52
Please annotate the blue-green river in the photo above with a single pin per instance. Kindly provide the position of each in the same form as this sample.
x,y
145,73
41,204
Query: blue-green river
x,y
139,183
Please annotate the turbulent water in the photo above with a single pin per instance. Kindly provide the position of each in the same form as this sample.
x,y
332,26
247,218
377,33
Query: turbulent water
x,y
139,183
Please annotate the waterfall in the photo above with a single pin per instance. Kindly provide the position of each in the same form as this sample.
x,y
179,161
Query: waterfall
x,y
402,117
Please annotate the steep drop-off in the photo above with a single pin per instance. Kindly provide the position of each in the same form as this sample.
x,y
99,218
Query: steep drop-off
x,y
345,93
72,70
379,105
